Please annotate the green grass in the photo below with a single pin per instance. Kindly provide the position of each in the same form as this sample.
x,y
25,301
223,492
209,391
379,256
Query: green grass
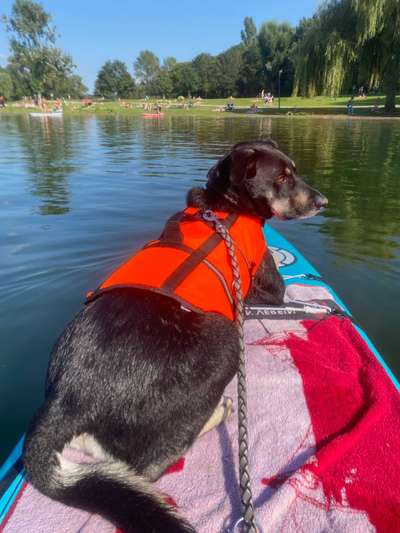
x,y
319,105
303,102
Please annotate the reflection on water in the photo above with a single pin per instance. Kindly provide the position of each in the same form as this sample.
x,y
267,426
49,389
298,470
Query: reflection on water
x,y
49,149
79,194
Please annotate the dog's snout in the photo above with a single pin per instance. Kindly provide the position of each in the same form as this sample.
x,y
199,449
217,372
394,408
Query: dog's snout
x,y
320,201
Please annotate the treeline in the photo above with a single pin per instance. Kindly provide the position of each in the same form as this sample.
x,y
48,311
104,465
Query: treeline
x,y
344,45
242,70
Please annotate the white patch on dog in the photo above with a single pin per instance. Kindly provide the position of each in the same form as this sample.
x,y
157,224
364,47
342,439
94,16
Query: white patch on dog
x,y
88,444
269,195
280,207
68,473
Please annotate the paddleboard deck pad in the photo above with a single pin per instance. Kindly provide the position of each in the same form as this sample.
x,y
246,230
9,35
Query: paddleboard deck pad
x,y
324,419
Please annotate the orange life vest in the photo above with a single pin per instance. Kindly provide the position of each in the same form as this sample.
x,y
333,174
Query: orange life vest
x,y
190,262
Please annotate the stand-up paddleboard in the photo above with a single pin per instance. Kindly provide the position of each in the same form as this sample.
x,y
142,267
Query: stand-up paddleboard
x,y
51,114
300,475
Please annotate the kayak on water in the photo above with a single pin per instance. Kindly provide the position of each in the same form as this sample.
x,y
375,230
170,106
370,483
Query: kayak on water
x,y
324,421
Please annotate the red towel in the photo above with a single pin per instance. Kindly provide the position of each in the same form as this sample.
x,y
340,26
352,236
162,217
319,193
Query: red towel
x,y
355,415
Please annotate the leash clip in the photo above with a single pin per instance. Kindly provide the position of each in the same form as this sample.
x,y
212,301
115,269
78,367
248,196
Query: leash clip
x,y
210,216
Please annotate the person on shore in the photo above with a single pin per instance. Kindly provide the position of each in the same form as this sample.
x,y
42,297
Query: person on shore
x,y
44,106
350,103
269,99
2,101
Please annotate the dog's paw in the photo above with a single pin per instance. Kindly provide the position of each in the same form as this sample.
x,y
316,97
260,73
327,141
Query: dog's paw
x,y
227,404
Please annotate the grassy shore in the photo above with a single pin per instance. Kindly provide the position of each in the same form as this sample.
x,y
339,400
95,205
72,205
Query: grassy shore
x,y
371,106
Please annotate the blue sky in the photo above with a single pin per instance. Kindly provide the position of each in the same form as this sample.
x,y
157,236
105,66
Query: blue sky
x,y
94,31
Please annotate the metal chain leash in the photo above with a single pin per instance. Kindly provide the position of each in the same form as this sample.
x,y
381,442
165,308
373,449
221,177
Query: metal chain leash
x,y
244,475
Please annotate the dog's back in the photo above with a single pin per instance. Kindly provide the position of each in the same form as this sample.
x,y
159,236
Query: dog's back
x,y
132,381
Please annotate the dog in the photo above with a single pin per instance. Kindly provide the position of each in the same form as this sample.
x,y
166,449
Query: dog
x,y
138,375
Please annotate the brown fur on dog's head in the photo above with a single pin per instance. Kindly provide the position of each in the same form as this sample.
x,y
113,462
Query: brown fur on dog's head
x,y
255,177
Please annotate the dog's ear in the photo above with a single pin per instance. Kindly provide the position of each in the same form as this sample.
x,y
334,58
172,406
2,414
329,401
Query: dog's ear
x,y
239,164
244,165
219,173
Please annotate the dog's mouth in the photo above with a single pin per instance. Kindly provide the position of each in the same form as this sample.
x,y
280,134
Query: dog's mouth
x,y
310,214
304,203
297,214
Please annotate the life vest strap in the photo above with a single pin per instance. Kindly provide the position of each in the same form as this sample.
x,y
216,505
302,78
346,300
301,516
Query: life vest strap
x,y
195,258
168,244
189,250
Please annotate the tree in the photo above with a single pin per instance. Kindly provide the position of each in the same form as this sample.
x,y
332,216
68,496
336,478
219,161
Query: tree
x,y
276,41
19,87
378,38
38,64
147,66
230,65
162,84
350,42
307,58
114,80
249,33
208,72
184,79
29,24
73,87
6,84
327,55
251,74
169,63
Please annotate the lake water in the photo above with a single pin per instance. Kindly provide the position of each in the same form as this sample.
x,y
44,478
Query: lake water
x,y
79,194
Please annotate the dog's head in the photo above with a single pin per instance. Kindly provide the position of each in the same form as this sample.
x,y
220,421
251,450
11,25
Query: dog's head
x,y
259,179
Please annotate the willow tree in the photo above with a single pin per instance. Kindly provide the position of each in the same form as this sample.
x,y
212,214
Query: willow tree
x,y
378,36
348,42
325,50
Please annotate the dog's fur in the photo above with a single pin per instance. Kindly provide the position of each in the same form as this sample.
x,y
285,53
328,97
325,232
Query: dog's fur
x,y
135,378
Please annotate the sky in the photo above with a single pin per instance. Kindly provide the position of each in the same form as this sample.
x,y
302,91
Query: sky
x,y
95,31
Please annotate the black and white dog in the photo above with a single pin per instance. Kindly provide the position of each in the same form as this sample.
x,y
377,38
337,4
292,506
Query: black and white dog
x,y
134,379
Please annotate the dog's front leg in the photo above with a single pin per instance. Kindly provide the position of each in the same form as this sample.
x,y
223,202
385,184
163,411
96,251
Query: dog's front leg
x,y
268,286
220,414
